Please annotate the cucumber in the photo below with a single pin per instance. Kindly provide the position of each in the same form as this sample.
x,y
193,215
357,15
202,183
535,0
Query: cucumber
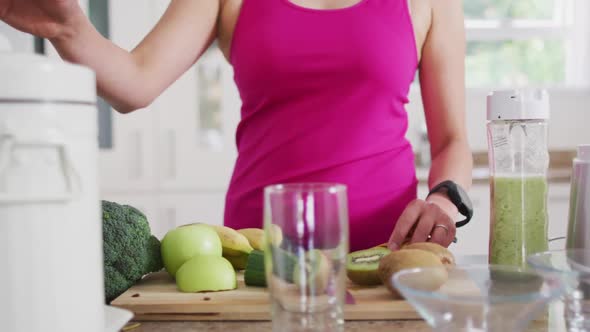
x,y
284,266
254,274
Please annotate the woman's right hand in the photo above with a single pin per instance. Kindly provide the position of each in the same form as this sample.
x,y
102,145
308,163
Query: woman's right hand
x,y
51,19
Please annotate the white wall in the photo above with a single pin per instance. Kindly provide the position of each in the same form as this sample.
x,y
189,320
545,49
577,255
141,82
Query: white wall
x,y
568,126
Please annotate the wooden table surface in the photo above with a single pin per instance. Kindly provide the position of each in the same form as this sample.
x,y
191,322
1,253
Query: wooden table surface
x,y
355,326
553,322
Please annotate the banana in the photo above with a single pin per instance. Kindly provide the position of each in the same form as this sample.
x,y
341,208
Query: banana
x,y
277,235
255,236
234,244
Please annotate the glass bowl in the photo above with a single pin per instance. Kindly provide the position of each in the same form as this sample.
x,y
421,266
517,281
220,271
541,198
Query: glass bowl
x,y
478,298
573,266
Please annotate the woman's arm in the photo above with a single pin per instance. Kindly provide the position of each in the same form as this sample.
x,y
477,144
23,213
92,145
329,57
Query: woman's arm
x,y
128,80
132,80
442,81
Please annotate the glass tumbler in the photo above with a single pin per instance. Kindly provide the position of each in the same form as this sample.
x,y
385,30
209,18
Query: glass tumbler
x,y
306,227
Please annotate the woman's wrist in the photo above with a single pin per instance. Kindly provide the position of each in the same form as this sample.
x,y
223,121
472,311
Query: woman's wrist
x,y
444,203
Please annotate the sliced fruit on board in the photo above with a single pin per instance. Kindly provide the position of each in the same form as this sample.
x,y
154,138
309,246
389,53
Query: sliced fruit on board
x,y
362,266
206,274
181,244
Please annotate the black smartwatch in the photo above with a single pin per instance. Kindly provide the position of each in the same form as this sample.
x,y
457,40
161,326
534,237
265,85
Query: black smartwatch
x,y
458,197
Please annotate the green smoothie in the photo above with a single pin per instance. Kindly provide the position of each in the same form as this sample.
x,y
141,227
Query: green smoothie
x,y
518,219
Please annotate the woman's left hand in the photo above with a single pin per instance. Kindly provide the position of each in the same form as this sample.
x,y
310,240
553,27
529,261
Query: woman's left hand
x,y
424,221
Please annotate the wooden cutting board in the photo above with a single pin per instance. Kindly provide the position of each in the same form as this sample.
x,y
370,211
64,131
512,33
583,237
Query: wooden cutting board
x,y
156,298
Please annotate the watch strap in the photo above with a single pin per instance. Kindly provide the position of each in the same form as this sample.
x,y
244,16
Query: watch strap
x,y
458,197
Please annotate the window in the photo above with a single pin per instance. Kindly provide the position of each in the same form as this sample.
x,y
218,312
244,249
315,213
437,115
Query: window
x,y
527,43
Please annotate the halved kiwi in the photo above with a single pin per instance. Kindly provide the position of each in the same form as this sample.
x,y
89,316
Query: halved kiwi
x,y
362,266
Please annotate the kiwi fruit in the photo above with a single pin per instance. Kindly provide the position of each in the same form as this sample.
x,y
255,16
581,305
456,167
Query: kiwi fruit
x,y
362,266
409,259
313,274
446,257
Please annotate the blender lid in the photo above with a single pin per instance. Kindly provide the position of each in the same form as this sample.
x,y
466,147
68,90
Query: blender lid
x,y
32,78
519,104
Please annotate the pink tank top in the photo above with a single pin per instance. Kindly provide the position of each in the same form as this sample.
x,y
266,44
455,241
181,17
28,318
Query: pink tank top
x,y
323,95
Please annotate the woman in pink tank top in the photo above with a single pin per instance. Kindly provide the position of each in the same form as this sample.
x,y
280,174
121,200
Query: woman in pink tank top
x,y
323,95
323,85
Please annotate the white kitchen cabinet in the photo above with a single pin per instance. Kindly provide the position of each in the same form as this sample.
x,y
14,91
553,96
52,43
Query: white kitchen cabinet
x,y
176,209
130,165
195,122
178,153
192,156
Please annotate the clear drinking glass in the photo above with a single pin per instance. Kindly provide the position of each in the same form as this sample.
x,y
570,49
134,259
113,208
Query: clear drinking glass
x,y
306,228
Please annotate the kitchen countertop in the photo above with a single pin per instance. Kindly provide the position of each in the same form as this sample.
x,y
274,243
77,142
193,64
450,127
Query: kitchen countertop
x,y
560,167
482,174
553,322
356,326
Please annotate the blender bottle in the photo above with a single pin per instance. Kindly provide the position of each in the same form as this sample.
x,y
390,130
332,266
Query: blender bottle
x,y
518,159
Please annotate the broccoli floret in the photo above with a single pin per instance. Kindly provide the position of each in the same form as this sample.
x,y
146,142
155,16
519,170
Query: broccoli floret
x,y
130,250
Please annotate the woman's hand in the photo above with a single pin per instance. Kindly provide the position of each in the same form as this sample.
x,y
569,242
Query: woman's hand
x,y
424,221
49,19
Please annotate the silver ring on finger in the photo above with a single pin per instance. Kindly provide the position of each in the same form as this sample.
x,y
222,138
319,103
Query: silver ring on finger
x,y
447,230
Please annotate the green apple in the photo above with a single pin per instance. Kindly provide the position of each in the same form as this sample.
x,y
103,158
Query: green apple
x,y
183,243
206,274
